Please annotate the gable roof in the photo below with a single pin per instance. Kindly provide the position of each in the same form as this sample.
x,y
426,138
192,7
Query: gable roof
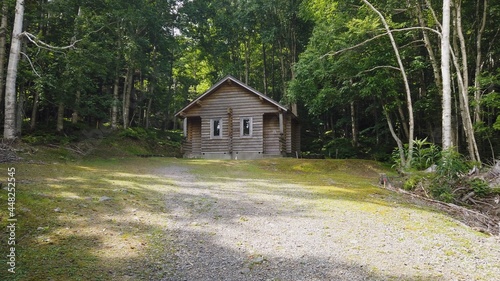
x,y
234,80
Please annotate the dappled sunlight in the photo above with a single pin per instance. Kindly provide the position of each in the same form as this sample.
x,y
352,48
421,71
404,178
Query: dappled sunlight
x,y
115,221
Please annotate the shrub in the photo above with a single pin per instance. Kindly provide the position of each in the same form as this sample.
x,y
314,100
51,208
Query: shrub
x,y
451,165
480,187
424,154
134,133
412,182
442,190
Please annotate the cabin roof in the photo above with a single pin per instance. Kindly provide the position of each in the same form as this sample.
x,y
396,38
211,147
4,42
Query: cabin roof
x,y
236,81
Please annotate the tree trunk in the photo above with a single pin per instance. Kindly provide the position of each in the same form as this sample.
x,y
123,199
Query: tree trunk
x,y
20,111
9,131
74,116
60,117
463,86
114,104
3,47
34,111
127,90
477,72
430,50
148,112
404,123
411,123
354,125
247,60
264,71
399,143
445,72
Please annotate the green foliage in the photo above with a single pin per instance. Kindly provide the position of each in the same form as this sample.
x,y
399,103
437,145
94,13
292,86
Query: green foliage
x,y
412,182
452,165
340,148
43,137
424,154
480,187
137,133
442,190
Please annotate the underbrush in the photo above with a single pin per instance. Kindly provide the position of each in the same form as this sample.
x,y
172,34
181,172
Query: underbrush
x,y
453,179
82,142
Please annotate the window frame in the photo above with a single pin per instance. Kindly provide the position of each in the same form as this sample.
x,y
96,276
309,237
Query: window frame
x,y
242,127
212,128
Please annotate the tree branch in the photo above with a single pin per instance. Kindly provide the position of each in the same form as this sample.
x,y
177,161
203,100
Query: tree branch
x,y
380,66
31,63
378,36
39,43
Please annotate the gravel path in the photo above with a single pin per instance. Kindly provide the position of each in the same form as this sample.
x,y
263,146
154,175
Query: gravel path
x,y
247,229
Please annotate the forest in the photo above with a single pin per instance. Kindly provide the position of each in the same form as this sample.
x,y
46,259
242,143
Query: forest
x,y
372,79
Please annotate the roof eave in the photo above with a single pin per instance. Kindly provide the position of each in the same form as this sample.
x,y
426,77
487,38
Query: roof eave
x,y
222,81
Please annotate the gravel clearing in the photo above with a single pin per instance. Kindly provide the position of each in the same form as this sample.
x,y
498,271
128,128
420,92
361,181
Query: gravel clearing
x,y
226,228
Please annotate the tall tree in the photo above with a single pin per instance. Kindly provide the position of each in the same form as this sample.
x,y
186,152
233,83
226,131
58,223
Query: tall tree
x,y
10,84
445,73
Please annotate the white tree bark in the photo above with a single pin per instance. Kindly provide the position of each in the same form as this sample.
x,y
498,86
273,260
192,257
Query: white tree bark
x,y
10,83
445,73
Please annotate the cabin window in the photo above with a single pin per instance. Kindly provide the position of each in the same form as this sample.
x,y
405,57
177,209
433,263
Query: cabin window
x,y
216,128
246,127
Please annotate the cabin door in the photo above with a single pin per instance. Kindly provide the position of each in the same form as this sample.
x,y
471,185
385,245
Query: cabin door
x,y
194,135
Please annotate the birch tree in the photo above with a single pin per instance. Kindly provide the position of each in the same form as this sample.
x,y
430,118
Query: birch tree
x,y
9,132
445,73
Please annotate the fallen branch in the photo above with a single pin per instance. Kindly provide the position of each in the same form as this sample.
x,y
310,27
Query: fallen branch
x,y
483,222
64,147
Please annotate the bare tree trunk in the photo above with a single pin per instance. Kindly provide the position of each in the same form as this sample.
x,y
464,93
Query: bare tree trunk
x,y
127,90
20,111
445,72
247,60
403,121
399,143
411,123
430,50
114,105
74,116
477,72
34,110
3,47
264,71
9,131
60,117
354,125
463,86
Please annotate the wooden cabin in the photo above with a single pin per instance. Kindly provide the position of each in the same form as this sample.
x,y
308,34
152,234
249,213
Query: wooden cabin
x,y
234,121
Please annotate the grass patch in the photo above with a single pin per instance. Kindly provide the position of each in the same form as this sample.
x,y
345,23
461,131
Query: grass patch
x,y
91,220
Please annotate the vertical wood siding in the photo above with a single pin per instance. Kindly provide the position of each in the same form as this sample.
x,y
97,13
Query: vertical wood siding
x,y
193,140
271,134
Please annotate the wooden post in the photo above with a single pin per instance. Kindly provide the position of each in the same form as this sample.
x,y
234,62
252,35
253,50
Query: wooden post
x,y
230,128
184,126
281,123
